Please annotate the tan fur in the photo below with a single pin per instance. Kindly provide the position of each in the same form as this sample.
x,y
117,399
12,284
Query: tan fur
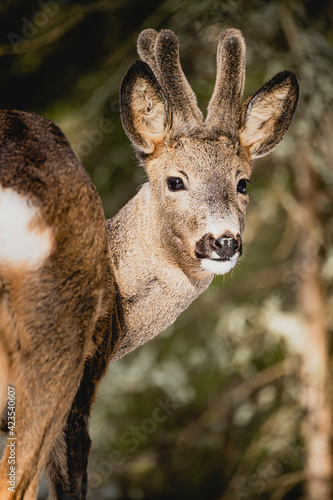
x,y
105,288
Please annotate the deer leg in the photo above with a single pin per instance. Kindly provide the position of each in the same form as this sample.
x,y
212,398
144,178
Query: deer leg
x,y
44,393
68,460
45,356
67,464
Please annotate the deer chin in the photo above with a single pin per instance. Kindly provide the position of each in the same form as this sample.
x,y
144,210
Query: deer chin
x,y
219,266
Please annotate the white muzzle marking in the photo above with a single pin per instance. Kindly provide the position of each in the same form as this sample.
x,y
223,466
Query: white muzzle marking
x,y
219,266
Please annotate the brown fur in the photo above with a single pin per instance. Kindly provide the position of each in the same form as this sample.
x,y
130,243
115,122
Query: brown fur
x,y
48,314
107,288
224,106
161,52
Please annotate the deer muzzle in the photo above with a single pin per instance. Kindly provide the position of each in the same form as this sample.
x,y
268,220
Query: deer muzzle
x,y
223,248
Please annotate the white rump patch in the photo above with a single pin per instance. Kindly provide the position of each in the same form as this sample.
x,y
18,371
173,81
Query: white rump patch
x,y
219,266
23,240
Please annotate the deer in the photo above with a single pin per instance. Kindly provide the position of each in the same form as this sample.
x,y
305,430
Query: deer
x,y
78,291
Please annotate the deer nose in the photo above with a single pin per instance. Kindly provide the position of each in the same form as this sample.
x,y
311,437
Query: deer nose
x,y
227,246
227,243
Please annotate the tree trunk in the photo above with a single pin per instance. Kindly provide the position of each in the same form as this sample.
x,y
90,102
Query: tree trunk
x,y
310,295
317,430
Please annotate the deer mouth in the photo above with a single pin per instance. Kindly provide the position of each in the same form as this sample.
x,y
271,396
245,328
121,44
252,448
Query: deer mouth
x,y
218,266
218,259
218,255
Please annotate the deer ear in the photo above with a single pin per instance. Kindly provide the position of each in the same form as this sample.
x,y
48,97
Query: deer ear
x,y
144,108
266,116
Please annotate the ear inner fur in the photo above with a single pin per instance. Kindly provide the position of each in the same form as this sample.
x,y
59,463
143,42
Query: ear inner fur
x,y
144,108
266,116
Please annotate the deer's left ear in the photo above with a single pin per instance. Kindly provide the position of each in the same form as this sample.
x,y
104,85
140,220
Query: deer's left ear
x,y
266,116
145,112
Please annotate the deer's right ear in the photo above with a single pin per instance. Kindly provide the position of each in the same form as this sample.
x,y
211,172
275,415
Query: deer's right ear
x,y
267,115
145,112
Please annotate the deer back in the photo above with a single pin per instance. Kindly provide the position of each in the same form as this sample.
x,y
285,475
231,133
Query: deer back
x,y
51,218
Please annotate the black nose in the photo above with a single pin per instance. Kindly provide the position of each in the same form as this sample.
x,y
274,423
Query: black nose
x,y
227,246
227,243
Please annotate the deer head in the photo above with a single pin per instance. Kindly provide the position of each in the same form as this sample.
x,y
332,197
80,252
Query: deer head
x,y
198,169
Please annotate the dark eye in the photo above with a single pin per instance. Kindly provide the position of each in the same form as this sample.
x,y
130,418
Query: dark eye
x,y
241,186
175,184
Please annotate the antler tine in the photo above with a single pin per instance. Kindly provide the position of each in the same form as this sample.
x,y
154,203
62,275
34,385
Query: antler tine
x,y
173,81
225,104
146,49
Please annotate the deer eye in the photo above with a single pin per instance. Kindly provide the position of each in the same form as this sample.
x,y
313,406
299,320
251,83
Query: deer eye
x,y
175,184
241,186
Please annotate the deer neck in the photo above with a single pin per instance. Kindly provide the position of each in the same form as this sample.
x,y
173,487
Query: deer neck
x,y
154,289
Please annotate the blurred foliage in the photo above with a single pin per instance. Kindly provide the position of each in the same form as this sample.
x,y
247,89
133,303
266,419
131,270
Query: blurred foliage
x,y
210,409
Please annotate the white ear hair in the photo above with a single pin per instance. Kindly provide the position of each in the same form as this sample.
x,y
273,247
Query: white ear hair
x,y
267,115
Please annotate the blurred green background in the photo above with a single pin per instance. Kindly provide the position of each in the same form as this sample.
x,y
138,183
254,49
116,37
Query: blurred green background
x,y
216,406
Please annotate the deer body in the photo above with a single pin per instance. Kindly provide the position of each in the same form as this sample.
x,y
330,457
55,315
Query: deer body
x,y
76,291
